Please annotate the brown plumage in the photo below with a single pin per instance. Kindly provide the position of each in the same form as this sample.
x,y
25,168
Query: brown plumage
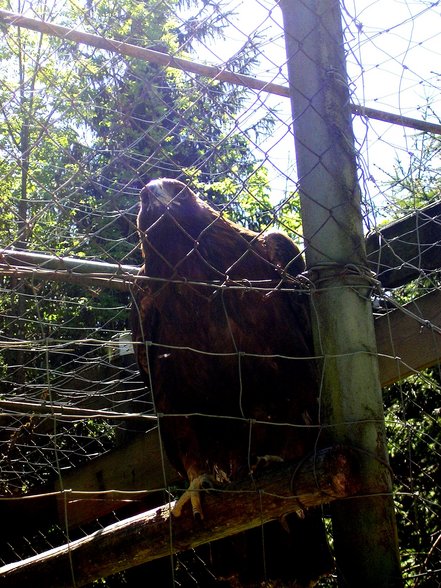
x,y
229,344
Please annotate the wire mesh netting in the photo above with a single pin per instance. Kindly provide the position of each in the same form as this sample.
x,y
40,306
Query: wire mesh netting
x,y
106,98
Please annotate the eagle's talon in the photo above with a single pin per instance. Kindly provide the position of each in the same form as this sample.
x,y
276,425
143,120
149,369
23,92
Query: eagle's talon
x,y
192,495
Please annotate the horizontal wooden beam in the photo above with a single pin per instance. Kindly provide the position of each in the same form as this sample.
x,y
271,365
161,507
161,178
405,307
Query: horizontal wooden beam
x,y
408,248
328,475
73,270
138,470
60,411
409,338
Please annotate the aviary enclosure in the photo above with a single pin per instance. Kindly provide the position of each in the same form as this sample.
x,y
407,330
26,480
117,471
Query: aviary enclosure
x,y
317,119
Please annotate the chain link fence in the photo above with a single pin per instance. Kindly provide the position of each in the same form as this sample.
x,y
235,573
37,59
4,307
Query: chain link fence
x,y
97,100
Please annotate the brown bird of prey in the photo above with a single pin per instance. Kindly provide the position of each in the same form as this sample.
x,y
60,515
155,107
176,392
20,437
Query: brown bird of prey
x,y
222,336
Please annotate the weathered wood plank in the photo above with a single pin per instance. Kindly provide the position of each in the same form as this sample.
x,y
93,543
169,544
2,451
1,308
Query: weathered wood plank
x,y
407,248
409,339
137,466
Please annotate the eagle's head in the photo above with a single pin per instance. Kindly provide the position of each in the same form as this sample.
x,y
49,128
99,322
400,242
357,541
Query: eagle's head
x,y
179,229
165,191
171,220
160,196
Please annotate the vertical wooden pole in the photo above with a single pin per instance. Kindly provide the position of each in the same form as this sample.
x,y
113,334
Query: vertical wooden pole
x,y
364,527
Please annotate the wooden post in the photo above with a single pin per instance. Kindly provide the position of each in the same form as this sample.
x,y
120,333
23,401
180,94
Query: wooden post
x,y
364,528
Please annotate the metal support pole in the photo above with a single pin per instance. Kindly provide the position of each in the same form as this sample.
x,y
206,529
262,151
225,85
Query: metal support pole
x,y
364,528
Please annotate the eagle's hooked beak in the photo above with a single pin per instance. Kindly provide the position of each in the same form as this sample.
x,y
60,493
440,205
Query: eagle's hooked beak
x,y
165,192
154,193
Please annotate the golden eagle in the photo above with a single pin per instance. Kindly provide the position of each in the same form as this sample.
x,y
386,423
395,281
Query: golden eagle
x,y
222,337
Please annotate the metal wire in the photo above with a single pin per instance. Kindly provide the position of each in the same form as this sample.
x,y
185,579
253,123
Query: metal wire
x,y
86,122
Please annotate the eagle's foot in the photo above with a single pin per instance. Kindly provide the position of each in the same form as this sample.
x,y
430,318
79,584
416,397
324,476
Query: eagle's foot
x,y
193,495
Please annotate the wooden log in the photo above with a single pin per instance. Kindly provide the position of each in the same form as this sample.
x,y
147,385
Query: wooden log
x,y
35,265
209,71
328,475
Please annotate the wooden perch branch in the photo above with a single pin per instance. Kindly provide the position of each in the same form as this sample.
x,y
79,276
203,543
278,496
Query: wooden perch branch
x,y
328,475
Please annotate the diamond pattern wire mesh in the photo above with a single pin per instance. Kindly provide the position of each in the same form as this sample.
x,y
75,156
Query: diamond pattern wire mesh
x,y
84,128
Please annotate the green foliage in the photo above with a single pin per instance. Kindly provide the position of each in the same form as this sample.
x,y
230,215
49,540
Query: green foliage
x,y
83,130
414,432
416,181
